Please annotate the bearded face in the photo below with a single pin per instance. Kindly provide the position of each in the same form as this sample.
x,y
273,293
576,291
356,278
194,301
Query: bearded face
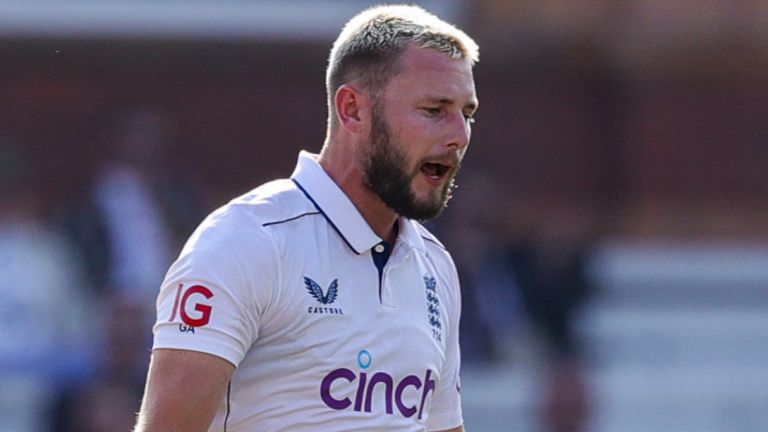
x,y
391,173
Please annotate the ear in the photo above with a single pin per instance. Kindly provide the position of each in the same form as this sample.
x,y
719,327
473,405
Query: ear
x,y
351,106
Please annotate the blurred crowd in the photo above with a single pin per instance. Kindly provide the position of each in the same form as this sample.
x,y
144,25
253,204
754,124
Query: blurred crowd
x,y
80,279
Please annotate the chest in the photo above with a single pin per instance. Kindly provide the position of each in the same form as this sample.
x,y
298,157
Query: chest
x,y
342,310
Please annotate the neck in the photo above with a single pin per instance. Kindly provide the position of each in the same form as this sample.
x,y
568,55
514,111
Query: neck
x,y
344,169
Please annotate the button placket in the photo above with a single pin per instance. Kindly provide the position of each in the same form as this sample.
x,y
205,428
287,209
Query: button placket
x,y
399,256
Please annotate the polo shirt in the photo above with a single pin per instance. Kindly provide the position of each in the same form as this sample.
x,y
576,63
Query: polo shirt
x,y
329,327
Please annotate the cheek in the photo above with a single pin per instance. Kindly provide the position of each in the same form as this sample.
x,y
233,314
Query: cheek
x,y
420,137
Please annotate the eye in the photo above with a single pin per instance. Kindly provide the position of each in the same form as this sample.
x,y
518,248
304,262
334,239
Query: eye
x,y
469,118
432,111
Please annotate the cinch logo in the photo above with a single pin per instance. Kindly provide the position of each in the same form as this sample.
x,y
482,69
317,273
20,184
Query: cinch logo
x,y
180,305
392,391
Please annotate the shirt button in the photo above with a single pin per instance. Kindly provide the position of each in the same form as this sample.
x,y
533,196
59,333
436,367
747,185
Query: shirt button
x,y
379,248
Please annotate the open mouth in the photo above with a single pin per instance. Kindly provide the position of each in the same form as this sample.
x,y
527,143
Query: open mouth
x,y
435,171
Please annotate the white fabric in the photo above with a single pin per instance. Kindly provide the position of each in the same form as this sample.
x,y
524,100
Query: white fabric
x,y
250,268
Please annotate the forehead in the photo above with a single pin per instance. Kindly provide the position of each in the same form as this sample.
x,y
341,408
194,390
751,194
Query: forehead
x,y
427,72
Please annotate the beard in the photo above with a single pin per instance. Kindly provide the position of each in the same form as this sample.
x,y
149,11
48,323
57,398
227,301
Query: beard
x,y
384,169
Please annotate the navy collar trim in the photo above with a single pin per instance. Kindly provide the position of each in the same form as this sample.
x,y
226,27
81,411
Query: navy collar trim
x,y
320,209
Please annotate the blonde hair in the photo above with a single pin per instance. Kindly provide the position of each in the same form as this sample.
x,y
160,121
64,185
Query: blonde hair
x,y
369,46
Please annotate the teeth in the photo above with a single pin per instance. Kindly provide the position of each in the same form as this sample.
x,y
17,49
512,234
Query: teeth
x,y
434,171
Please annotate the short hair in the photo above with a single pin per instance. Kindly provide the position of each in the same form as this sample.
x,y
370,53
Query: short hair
x,y
370,45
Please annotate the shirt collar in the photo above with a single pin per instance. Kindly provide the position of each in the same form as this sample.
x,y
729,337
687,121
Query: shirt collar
x,y
410,234
340,212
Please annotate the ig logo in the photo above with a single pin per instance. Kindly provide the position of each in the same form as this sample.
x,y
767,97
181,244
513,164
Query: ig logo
x,y
192,314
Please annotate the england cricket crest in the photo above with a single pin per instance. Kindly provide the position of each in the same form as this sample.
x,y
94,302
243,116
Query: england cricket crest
x,y
433,308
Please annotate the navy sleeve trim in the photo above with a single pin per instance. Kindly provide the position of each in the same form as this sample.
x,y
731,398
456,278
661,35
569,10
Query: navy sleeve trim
x,y
290,219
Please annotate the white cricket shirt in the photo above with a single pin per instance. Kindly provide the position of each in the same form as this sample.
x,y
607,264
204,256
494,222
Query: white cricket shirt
x,y
290,284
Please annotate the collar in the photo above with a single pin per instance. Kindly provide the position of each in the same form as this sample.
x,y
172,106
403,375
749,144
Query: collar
x,y
410,234
340,212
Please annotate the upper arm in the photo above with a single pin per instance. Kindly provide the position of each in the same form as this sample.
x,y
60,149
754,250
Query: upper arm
x,y
216,294
183,391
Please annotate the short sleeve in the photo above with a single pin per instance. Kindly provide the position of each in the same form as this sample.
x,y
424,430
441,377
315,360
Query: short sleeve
x,y
214,296
445,412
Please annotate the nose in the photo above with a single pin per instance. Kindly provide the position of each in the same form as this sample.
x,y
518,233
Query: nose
x,y
461,130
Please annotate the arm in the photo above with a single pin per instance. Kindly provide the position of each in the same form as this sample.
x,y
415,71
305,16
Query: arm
x,y
458,429
183,390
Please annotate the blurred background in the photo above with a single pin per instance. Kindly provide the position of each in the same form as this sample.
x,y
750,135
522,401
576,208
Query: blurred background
x,y
611,225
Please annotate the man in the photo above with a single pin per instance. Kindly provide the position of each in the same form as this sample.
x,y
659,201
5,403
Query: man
x,y
317,302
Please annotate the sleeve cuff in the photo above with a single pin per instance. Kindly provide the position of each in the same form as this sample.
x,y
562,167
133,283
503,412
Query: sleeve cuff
x,y
217,345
